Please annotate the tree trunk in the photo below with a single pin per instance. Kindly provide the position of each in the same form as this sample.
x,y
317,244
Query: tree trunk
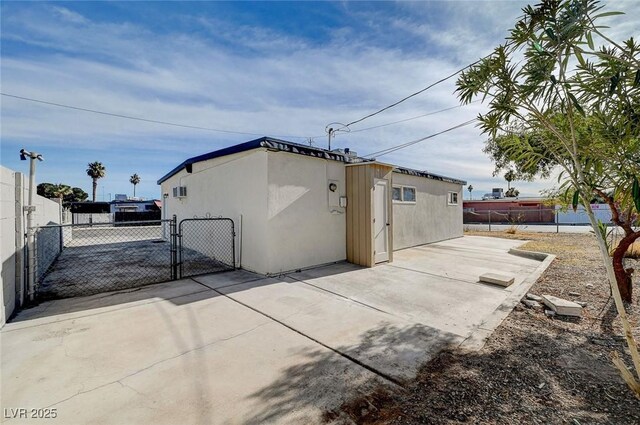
x,y
628,334
623,276
95,188
134,190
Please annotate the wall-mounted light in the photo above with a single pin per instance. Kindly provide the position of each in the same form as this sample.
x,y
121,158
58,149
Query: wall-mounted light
x,y
333,187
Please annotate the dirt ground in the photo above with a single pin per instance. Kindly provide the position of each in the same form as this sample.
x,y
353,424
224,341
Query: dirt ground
x,y
533,369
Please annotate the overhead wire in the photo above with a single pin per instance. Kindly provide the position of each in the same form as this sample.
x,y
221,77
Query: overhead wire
x,y
412,118
413,142
129,117
404,99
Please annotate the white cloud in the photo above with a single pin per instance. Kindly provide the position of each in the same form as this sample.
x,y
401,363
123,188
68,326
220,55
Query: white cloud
x,y
274,84
69,15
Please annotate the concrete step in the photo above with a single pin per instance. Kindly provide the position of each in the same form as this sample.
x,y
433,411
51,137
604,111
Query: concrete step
x,y
497,279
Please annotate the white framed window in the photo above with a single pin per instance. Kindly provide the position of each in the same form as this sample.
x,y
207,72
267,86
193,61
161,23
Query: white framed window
x,y
408,194
397,194
404,194
453,198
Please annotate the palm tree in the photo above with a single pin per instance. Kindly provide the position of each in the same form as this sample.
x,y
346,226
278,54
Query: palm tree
x,y
134,180
96,171
470,189
509,177
60,191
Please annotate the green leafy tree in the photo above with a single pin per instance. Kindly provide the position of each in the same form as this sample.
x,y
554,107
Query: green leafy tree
x,y
134,180
45,189
75,195
96,171
512,192
558,102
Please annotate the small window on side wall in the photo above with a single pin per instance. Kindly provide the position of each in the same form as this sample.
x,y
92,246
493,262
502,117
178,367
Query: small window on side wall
x,y
408,194
453,198
397,193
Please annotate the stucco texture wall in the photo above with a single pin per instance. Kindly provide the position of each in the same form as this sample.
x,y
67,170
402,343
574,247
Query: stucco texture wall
x,y
230,186
430,218
14,194
306,225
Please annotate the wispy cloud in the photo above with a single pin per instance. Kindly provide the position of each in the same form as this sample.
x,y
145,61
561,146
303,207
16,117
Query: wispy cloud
x,y
214,72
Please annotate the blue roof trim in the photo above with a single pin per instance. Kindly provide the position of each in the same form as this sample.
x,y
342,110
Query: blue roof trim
x,y
263,142
284,146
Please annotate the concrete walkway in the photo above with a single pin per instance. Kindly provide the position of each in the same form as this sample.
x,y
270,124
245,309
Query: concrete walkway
x,y
238,347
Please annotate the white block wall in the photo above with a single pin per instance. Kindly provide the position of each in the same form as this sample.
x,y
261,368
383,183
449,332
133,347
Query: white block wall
x,y
14,194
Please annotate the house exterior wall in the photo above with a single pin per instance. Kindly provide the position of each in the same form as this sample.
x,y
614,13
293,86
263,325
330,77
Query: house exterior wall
x,y
231,186
305,224
290,218
430,218
14,194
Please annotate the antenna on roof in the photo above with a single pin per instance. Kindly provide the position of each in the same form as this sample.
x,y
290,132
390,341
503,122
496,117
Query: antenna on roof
x,y
332,130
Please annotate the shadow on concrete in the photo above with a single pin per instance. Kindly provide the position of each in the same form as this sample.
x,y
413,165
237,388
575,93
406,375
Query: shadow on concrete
x,y
178,292
535,378
326,379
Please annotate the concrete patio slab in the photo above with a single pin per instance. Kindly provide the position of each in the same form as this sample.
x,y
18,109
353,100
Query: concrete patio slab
x,y
432,289
393,346
238,347
197,358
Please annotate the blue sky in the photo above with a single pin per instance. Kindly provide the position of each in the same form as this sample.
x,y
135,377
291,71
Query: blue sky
x,y
277,69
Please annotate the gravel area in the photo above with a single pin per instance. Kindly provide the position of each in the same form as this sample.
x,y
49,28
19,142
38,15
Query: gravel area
x,y
533,369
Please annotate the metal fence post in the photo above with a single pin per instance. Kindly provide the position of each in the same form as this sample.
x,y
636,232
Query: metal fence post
x,y
489,220
174,253
557,223
233,242
33,265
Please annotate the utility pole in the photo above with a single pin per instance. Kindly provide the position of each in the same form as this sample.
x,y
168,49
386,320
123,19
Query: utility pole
x,y
30,209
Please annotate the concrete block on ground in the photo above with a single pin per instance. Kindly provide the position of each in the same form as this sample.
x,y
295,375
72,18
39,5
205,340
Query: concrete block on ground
x,y
562,307
531,304
497,279
533,297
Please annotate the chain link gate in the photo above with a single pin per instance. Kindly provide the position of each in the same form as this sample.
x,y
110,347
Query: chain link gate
x,y
205,245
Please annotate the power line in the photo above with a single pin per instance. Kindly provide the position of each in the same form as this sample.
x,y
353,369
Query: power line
x,y
405,145
418,92
195,127
413,118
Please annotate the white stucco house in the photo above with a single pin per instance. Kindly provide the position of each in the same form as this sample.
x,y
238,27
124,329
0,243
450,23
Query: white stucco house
x,y
297,206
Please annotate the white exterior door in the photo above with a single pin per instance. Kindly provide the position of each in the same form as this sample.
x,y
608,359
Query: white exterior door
x,y
380,220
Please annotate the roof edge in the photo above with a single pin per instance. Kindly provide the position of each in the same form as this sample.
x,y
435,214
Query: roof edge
x,y
291,147
418,173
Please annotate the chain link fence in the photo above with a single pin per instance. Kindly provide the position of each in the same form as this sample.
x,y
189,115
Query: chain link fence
x,y
84,259
206,245
74,260
534,219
